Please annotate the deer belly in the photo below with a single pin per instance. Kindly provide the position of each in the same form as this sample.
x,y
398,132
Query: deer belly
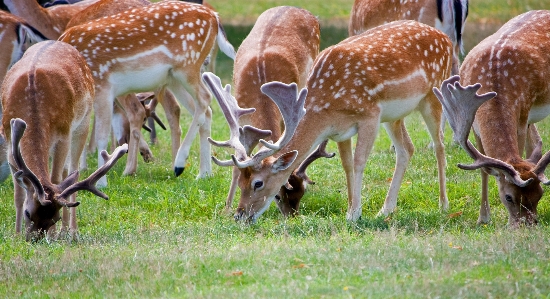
x,y
139,80
538,113
392,110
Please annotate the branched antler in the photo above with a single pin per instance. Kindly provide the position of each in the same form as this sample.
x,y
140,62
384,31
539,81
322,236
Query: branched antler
x,y
89,183
460,105
320,152
21,171
242,139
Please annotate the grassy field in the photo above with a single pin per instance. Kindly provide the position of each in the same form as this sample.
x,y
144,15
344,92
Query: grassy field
x,y
164,237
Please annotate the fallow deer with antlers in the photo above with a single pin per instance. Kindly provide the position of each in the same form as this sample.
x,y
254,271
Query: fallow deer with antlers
x,y
379,76
281,46
160,45
512,65
47,98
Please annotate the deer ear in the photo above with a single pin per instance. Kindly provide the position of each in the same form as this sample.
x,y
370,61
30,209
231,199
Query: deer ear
x,y
284,161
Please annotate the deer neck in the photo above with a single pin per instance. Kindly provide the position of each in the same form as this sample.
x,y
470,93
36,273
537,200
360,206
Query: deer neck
x,y
493,131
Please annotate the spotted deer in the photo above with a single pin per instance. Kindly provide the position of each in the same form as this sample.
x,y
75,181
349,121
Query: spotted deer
x,y
50,75
281,46
379,76
448,16
51,21
509,68
160,45
15,37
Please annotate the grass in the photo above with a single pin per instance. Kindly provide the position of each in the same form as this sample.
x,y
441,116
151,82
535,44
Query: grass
x,y
161,236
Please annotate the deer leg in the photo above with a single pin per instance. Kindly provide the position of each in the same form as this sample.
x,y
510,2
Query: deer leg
x,y
533,138
346,156
172,110
60,158
484,209
404,150
103,108
365,140
432,115
199,111
205,147
232,189
136,114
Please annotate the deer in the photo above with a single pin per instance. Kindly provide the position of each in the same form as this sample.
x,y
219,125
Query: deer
x,y
276,49
16,36
162,45
50,75
508,70
51,21
448,16
379,76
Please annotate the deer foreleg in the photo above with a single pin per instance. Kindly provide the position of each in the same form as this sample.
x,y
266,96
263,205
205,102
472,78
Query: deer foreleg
x,y
346,155
433,117
103,113
135,114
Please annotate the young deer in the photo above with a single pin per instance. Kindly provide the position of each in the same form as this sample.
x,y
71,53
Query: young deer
x,y
160,45
448,16
512,64
49,76
377,77
15,37
280,47
51,21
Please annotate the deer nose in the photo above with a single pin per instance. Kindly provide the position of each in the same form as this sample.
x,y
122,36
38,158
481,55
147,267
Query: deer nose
x,y
239,214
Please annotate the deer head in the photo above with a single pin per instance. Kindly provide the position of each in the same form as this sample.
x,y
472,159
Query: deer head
x,y
45,201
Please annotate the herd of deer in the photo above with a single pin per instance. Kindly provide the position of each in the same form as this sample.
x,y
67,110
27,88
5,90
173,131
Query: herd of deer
x,y
401,56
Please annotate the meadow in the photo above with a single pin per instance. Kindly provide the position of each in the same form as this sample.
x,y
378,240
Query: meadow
x,y
160,236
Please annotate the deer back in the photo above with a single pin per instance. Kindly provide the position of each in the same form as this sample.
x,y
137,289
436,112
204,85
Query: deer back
x,y
50,88
146,44
104,8
280,47
514,63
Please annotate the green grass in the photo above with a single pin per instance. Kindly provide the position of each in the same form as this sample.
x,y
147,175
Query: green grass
x,y
161,236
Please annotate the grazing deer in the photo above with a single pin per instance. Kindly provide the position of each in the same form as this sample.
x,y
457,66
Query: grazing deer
x,y
15,37
379,76
512,65
160,45
49,76
281,46
448,16
51,21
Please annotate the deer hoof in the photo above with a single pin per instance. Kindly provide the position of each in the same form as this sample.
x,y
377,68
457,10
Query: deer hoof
x,y
178,170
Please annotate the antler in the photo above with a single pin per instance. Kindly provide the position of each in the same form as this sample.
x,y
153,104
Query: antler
x,y
320,152
21,171
89,183
460,105
242,139
150,108
291,105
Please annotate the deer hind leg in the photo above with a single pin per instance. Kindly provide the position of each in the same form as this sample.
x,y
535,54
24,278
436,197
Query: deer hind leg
x,y
201,117
404,150
172,111
432,115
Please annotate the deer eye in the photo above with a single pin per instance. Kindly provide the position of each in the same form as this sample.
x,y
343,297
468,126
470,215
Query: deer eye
x,y
258,185
27,214
508,198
